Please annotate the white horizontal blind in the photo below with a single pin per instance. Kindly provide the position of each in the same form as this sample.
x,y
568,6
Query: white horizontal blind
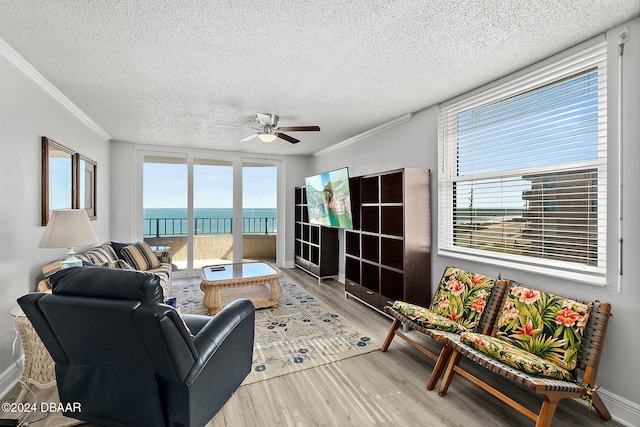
x,y
523,168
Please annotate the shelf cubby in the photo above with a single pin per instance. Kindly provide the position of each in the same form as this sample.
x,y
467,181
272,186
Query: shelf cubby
x,y
352,244
392,252
352,269
392,220
370,247
370,218
369,190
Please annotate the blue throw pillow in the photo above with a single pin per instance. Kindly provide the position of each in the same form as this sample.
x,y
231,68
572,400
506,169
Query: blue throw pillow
x,y
117,247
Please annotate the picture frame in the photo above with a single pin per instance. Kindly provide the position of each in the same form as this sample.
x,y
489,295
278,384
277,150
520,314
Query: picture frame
x,y
58,177
85,196
69,180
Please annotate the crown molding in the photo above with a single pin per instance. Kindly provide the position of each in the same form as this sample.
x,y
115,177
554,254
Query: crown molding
x,y
15,59
380,128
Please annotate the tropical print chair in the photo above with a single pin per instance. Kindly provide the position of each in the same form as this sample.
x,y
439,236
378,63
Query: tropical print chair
x,y
457,305
539,333
464,301
540,341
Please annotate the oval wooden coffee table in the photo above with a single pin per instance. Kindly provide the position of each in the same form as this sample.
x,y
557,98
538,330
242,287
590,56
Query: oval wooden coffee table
x,y
256,281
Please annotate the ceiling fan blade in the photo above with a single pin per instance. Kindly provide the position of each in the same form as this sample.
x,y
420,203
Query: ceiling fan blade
x,y
247,138
300,128
288,138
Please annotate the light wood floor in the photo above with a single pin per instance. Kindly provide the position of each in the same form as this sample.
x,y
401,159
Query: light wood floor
x,y
378,389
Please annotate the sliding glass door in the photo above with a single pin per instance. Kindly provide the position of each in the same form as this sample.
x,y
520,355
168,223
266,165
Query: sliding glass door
x,y
209,211
212,212
259,202
165,206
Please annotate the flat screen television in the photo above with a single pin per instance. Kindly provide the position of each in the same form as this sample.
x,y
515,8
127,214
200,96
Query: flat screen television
x,y
329,199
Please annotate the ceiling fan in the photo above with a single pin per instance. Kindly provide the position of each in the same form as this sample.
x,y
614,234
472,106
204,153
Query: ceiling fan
x,y
268,129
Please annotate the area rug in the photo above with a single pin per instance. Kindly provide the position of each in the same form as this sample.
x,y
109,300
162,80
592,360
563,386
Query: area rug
x,y
301,333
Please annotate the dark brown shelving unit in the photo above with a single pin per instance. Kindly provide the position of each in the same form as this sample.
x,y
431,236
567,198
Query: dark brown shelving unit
x,y
388,253
316,247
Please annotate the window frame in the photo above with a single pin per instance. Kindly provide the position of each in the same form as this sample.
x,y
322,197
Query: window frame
x,y
539,75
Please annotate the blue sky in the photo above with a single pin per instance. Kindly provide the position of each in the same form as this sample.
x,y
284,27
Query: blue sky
x,y
165,186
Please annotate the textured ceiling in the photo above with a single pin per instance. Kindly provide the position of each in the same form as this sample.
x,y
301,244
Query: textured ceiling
x,y
171,72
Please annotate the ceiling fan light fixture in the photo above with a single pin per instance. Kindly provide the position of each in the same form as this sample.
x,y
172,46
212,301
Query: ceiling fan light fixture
x,y
267,137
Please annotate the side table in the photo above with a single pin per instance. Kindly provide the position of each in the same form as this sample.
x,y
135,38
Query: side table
x,y
39,367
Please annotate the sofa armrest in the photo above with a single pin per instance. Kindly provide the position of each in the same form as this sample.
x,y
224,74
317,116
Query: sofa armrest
x,y
233,326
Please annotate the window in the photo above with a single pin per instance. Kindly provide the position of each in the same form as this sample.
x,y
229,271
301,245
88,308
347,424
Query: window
x,y
522,170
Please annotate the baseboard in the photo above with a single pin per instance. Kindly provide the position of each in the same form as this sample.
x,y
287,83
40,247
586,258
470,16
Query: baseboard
x,y
9,378
622,410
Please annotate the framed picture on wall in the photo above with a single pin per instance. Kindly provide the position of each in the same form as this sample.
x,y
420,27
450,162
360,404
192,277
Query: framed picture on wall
x,y
86,188
58,178
68,180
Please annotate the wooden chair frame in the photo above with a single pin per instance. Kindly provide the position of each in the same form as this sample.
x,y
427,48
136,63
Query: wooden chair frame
x,y
486,323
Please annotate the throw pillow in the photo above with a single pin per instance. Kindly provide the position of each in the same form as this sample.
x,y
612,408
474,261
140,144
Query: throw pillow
x,y
117,248
101,254
544,324
462,297
120,263
140,256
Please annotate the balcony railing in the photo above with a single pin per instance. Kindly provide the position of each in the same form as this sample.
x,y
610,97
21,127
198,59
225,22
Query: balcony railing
x,y
168,227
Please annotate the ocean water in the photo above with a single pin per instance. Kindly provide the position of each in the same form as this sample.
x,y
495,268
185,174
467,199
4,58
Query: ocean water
x,y
173,221
208,213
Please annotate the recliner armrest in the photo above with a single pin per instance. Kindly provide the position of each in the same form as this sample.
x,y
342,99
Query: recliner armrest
x,y
218,328
195,322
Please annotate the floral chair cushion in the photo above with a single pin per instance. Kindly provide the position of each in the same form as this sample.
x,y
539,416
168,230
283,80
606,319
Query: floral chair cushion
x,y
427,318
462,296
544,324
516,357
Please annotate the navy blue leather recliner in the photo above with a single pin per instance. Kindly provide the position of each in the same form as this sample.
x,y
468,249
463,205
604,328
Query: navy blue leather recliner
x,y
128,359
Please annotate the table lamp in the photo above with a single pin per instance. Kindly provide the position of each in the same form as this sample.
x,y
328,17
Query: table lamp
x,y
67,229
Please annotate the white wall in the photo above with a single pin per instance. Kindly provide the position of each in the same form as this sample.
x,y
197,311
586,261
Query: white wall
x,y
414,144
295,169
27,113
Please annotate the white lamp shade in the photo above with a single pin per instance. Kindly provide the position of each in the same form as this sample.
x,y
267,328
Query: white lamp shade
x,y
67,229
